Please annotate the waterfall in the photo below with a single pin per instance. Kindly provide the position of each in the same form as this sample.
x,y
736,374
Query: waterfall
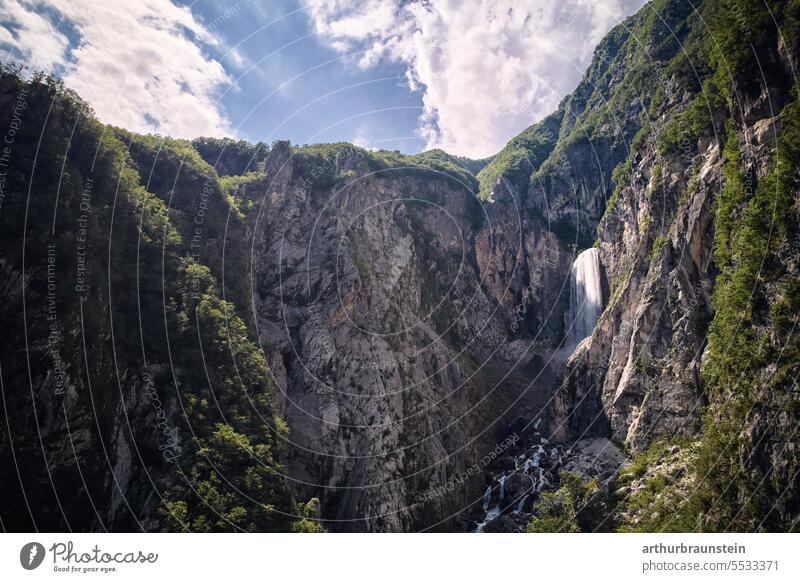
x,y
487,498
586,294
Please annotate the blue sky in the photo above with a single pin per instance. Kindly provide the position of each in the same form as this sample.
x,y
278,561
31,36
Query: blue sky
x,y
463,75
292,85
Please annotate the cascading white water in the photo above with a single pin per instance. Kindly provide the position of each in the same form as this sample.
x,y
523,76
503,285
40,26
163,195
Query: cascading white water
x,y
528,465
586,294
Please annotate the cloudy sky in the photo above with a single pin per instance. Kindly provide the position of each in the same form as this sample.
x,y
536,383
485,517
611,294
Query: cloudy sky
x,y
463,75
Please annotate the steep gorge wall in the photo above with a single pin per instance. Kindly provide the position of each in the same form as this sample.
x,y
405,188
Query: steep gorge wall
x,y
656,241
695,242
388,301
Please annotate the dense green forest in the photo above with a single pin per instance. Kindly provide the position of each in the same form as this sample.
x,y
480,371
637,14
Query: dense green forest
x,y
112,250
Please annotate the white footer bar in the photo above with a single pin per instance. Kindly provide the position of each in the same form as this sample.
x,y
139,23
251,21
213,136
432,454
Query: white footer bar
x,y
406,557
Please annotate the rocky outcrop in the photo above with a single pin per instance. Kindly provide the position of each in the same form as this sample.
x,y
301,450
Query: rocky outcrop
x,y
638,377
389,304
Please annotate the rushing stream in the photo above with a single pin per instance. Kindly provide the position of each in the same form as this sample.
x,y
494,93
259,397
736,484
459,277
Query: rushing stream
x,y
529,476
527,465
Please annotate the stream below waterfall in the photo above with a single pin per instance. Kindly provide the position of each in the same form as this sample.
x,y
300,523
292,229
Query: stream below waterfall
x,y
513,490
518,480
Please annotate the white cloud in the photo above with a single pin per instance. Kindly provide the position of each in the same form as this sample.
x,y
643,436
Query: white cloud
x,y
487,68
30,37
141,65
362,138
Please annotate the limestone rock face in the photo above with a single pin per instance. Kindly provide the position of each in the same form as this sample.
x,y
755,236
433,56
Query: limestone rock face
x,y
412,326
637,378
403,336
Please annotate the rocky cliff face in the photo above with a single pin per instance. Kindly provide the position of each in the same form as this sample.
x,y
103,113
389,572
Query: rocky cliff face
x,y
389,302
645,374
627,162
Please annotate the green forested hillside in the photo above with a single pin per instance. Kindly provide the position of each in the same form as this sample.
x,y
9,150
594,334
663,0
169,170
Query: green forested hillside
x,y
112,251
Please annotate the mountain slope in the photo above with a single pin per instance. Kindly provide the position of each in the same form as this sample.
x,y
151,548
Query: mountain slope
x,y
697,341
111,418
